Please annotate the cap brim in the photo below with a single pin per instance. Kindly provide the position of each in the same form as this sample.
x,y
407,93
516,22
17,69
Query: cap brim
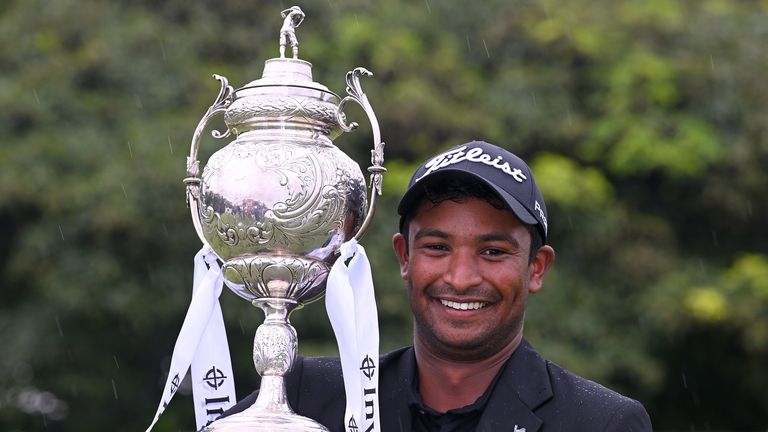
x,y
414,193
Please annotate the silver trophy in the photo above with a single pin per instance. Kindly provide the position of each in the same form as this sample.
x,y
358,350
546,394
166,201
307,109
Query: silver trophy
x,y
276,204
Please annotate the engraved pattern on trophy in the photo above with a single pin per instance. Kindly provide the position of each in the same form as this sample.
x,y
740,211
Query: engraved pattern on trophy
x,y
264,111
258,277
298,199
274,348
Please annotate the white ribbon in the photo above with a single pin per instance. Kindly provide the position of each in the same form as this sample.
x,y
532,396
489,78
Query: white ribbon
x,y
202,342
351,306
213,381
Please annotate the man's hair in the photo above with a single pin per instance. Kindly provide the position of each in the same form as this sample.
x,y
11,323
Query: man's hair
x,y
445,188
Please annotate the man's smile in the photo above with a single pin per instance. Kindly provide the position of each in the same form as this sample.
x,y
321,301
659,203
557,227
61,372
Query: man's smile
x,y
463,305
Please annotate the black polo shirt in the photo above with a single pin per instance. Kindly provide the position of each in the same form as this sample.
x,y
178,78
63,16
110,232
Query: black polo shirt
x,y
464,419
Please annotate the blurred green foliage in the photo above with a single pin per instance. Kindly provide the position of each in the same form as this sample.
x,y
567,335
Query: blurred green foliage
x,y
643,121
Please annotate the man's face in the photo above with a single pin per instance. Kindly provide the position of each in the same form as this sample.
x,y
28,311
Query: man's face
x,y
466,265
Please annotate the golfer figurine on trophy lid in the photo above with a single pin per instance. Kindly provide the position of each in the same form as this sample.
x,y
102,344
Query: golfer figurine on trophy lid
x,y
281,208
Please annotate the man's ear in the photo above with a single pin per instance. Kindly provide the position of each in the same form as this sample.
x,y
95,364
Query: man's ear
x,y
539,267
401,250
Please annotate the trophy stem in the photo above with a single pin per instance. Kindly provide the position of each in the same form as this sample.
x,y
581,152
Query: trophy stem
x,y
274,350
272,395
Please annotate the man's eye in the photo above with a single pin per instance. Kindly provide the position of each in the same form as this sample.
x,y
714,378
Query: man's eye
x,y
493,252
436,247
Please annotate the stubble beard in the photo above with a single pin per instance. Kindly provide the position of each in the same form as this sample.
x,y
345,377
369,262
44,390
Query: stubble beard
x,y
482,344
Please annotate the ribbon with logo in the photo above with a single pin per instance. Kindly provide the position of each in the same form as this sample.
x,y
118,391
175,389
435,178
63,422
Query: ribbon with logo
x,y
351,305
202,343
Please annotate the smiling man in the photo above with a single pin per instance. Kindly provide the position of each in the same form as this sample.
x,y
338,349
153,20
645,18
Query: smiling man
x,y
472,246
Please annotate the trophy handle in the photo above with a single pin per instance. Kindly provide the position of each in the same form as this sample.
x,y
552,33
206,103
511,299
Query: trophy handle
x,y
377,170
193,165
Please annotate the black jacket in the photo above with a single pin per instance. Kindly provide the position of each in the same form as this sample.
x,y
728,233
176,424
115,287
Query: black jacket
x,y
532,393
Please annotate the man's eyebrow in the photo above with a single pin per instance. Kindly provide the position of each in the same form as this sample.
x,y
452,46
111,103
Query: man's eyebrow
x,y
490,237
430,232
500,237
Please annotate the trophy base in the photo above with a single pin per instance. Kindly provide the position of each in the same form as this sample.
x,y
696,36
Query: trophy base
x,y
257,421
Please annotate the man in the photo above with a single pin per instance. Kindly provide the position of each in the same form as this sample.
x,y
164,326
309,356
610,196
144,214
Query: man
x,y
472,245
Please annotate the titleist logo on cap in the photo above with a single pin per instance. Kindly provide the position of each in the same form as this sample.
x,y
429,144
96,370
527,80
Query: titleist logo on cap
x,y
475,154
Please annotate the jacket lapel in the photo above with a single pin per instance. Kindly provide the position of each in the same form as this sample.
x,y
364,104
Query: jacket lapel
x,y
397,373
523,386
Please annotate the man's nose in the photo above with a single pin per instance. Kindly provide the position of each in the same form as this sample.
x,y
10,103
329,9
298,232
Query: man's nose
x,y
463,271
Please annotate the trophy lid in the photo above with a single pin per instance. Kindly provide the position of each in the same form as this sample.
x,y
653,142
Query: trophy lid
x,y
285,72
282,71
286,93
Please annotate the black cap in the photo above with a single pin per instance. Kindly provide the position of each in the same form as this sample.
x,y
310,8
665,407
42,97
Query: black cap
x,y
506,174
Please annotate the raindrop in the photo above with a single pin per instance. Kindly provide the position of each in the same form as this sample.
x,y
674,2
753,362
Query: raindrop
x,y
61,232
137,100
162,50
124,192
58,325
714,237
37,98
170,146
114,389
711,63
165,230
487,53
469,46
130,149
533,98
242,329
429,9
685,382
116,363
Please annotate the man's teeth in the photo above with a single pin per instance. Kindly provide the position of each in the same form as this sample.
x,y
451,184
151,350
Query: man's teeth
x,y
462,306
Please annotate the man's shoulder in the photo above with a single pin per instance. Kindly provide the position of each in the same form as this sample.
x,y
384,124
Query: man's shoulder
x,y
329,368
314,387
320,372
566,384
564,400
321,365
321,377
589,401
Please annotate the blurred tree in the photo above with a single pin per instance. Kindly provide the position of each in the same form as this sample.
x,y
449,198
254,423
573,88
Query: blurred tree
x,y
643,121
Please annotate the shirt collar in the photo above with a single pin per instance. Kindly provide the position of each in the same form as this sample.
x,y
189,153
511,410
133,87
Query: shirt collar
x,y
416,403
